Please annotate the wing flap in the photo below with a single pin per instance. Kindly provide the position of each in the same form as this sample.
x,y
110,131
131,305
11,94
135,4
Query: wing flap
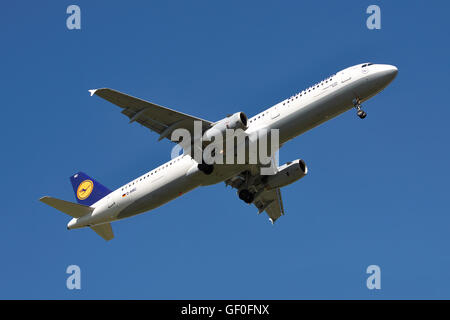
x,y
271,202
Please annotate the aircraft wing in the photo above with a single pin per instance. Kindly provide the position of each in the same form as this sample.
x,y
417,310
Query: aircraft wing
x,y
157,118
265,200
271,202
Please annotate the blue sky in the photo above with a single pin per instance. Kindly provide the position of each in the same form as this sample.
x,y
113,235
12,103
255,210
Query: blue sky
x,y
377,192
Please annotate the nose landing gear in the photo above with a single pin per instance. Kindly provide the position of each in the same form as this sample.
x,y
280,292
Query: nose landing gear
x,y
360,112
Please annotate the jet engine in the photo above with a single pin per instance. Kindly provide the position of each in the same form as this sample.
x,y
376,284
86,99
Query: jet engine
x,y
287,174
235,121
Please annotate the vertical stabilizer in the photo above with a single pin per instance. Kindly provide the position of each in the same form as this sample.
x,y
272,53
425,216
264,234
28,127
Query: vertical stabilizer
x,y
87,190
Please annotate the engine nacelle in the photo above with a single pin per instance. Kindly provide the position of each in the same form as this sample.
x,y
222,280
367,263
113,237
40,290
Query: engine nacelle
x,y
235,121
287,174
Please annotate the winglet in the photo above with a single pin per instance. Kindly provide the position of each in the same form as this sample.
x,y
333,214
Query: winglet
x,y
92,91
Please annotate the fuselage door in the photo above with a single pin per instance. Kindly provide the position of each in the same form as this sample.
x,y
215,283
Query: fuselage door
x,y
110,200
345,76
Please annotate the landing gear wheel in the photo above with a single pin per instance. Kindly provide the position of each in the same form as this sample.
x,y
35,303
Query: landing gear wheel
x,y
206,168
357,104
246,196
362,114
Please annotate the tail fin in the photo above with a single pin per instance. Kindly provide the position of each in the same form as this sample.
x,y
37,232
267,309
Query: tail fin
x,y
87,190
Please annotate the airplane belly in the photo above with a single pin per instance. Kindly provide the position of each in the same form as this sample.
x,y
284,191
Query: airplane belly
x,y
221,173
316,113
162,191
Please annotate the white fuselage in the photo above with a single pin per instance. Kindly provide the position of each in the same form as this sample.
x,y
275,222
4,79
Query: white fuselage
x,y
291,117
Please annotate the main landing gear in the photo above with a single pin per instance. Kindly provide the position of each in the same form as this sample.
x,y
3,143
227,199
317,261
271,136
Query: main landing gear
x,y
205,168
360,112
246,196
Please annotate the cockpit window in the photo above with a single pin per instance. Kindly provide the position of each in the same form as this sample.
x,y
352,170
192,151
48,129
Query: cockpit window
x,y
366,65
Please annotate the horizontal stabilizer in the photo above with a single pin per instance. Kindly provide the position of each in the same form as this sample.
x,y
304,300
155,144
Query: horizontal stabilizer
x,y
74,210
104,231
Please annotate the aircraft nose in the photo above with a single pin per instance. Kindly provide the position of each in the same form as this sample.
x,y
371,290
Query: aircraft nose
x,y
391,71
387,73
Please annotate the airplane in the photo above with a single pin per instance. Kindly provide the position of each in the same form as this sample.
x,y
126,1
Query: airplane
x,y
97,206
